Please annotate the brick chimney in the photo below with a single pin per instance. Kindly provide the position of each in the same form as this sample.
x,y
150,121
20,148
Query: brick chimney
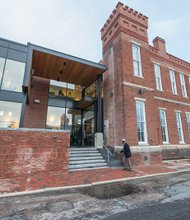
x,y
160,44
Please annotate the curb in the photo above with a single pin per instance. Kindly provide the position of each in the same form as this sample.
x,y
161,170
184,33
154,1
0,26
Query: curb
x,y
54,189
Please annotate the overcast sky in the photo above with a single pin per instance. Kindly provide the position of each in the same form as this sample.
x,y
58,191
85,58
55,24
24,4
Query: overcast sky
x,y
73,26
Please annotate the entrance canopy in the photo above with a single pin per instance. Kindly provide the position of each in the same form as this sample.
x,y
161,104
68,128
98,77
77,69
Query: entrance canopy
x,y
58,66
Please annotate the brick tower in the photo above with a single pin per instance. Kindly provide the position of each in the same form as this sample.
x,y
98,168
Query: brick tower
x,y
124,28
146,90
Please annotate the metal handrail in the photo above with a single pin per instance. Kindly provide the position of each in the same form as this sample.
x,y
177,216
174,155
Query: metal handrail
x,y
108,153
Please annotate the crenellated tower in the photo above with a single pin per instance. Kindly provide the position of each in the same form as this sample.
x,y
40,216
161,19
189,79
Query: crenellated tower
x,y
126,20
123,27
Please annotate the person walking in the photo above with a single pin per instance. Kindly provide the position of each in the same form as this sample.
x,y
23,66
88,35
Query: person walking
x,y
126,154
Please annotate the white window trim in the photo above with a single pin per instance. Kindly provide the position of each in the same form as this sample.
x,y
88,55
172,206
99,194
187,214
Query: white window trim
x,y
173,80
139,99
134,42
187,114
159,78
182,133
160,108
179,111
167,135
154,62
139,62
183,85
145,125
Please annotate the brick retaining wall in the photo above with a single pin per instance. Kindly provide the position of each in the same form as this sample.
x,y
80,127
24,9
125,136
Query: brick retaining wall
x,y
26,152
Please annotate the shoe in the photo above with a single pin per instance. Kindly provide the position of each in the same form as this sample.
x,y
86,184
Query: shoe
x,y
125,168
130,169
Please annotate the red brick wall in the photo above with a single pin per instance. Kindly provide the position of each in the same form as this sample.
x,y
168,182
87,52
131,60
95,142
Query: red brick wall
x,y
27,152
118,34
35,114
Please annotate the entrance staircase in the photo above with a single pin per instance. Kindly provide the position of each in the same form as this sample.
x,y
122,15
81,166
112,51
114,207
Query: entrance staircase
x,y
85,158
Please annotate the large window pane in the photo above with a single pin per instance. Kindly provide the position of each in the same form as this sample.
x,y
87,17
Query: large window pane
x,y
58,118
10,114
136,60
141,122
183,86
173,82
158,77
2,63
179,127
163,123
13,76
188,122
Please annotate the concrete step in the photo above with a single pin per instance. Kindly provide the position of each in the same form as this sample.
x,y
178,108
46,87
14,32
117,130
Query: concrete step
x,y
85,155
86,161
85,152
83,149
84,158
89,165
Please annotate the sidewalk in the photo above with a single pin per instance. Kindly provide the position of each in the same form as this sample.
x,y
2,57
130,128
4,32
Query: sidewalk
x,y
85,177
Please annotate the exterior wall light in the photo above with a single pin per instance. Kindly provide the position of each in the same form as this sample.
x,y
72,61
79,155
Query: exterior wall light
x,y
37,101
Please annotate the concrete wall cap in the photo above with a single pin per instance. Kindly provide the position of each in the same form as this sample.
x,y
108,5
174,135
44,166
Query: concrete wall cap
x,y
34,130
140,149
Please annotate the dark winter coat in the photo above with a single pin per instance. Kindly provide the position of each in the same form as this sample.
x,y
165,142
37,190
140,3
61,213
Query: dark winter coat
x,y
126,150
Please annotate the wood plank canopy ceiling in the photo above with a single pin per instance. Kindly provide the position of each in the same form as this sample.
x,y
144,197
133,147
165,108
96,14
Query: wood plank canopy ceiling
x,y
61,69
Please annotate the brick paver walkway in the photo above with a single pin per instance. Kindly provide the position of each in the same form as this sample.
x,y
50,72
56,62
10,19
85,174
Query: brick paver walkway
x,y
77,178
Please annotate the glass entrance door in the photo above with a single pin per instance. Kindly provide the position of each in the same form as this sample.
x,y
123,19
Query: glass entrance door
x,y
88,126
82,131
76,130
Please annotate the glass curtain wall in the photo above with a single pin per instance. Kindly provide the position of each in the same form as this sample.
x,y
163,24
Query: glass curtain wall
x,y
62,117
79,121
11,79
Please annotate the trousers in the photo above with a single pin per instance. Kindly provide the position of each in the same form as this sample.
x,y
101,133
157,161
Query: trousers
x,y
126,161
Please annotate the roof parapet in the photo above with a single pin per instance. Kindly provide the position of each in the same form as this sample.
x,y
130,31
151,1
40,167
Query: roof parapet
x,y
126,12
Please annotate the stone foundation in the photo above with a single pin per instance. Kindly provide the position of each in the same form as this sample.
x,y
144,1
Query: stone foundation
x,y
175,152
143,155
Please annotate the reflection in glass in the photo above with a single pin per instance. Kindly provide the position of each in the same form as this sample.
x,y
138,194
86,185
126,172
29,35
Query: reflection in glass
x,y
13,76
2,63
76,131
58,118
88,127
10,114
62,89
91,90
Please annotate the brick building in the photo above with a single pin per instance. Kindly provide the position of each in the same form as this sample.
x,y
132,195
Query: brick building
x,y
146,88
45,93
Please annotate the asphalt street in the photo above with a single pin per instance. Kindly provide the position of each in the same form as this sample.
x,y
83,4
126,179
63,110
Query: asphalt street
x,y
178,210
159,197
